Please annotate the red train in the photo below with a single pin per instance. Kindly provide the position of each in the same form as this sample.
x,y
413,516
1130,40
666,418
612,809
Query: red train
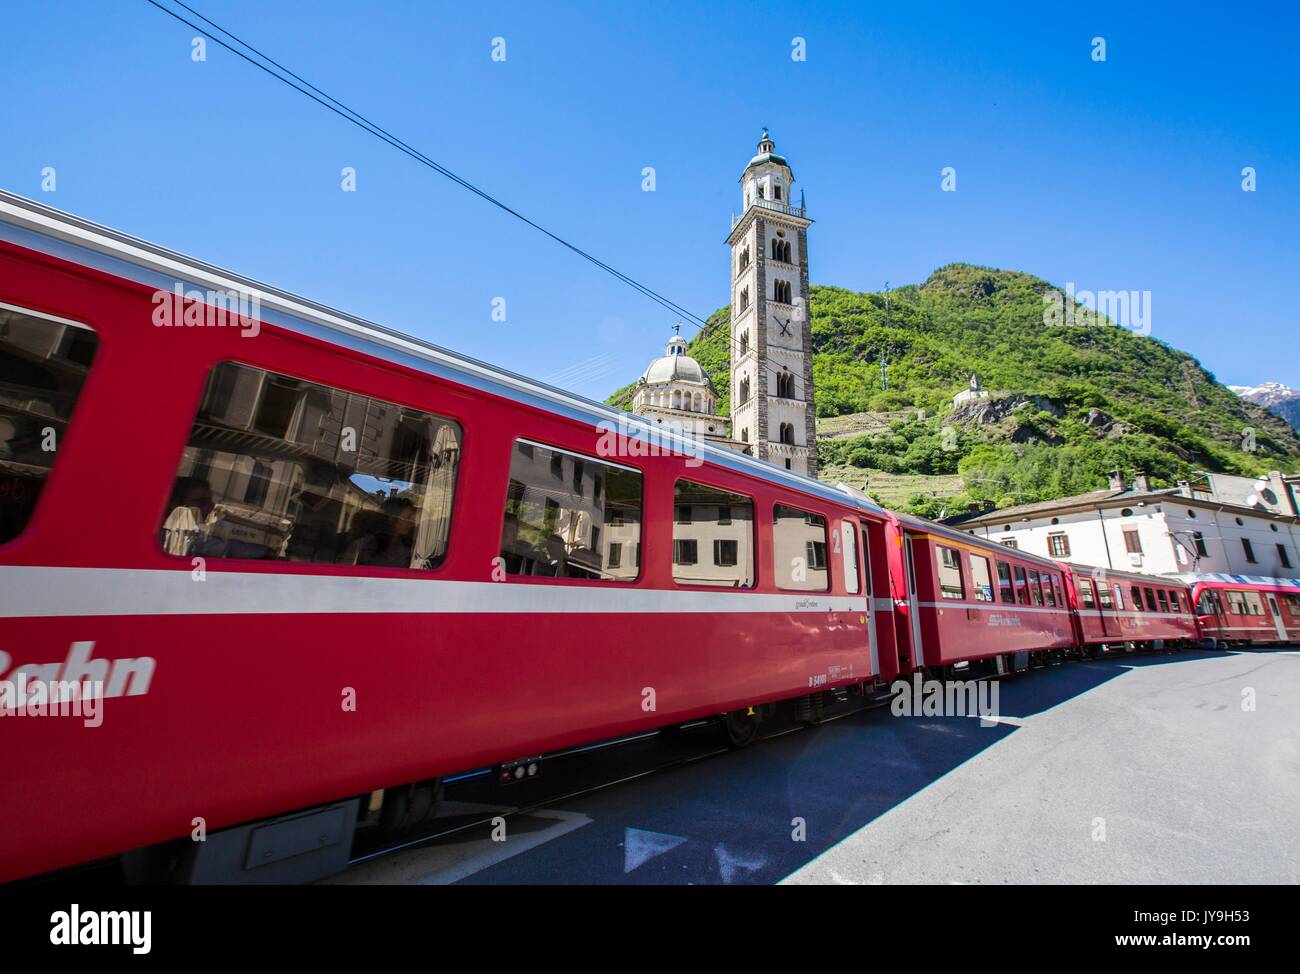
x,y
296,568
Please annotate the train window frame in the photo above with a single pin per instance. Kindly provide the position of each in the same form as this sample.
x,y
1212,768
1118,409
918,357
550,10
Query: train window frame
x,y
1049,593
1151,600
941,566
529,446
1162,599
1087,595
849,556
1006,585
1022,584
333,567
1174,602
1292,603
1254,604
808,518
736,500
1035,587
1105,600
983,591
34,512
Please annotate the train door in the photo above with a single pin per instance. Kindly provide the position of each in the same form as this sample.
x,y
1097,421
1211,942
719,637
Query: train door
x,y
861,575
1278,624
913,602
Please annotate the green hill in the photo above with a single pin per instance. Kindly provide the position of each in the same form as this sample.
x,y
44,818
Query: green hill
x,y
1068,402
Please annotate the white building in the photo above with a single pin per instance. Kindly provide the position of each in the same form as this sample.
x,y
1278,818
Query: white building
x,y
973,391
1169,531
676,391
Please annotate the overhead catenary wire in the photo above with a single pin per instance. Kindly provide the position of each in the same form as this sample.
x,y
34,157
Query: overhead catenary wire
x,y
295,81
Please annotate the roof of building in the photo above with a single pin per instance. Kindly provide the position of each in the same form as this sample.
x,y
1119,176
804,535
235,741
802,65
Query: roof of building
x,y
1109,497
766,153
675,366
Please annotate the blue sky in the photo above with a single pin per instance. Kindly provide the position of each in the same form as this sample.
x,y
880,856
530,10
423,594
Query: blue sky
x,y
1118,175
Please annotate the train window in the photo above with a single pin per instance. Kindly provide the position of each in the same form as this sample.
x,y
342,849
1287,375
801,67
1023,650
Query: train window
x,y
1035,593
724,522
1236,602
1004,583
1292,603
1060,590
1163,600
1022,587
1118,593
1254,606
1151,601
1207,604
1086,596
1049,595
849,545
1173,602
951,585
1103,595
43,365
1137,596
799,539
980,578
286,470
569,529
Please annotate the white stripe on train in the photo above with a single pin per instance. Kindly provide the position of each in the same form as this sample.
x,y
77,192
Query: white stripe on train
x,y
34,592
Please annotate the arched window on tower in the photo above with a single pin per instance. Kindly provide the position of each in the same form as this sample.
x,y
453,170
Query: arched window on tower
x,y
781,291
787,433
744,260
744,390
785,385
744,436
776,191
744,299
760,191
744,342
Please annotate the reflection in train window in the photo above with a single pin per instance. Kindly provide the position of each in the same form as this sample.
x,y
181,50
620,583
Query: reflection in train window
x,y
43,365
979,574
583,523
1004,583
951,585
713,536
1049,596
1022,587
1086,598
1103,594
285,470
799,542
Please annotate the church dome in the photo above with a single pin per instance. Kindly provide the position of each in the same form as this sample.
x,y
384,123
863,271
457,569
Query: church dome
x,y
675,366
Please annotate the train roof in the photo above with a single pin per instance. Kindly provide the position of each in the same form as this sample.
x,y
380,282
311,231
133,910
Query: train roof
x,y
1223,578
42,228
934,527
1080,569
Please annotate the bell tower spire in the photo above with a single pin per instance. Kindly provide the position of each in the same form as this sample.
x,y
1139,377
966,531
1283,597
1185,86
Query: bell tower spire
x,y
771,331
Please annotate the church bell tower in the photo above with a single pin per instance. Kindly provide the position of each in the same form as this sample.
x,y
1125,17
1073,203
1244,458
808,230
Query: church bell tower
x,y
771,330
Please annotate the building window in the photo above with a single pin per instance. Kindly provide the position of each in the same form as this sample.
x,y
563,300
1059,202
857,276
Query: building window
x,y
744,342
1249,549
724,521
616,555
1058,545
776,190
1011,543
553,533
744,390
951,585
1132,543
744,435
799,541
785,385
345,479
744,299
1283,555
781,291
744,258
787,433
1198,539
43,365
980,578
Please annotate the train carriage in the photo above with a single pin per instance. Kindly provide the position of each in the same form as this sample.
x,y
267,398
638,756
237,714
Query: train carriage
x,y
1246,610
308,559
1115,608
968,599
